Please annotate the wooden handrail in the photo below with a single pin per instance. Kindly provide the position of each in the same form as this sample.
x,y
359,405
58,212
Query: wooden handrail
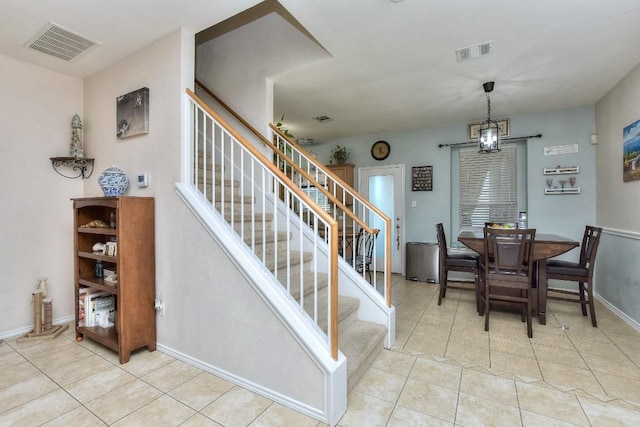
x,y
232,111
285,179
275,149
323,190
295,144
328,219
362,199
327,172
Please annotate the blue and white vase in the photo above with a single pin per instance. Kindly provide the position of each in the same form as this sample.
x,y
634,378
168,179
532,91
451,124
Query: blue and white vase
x,y
113,181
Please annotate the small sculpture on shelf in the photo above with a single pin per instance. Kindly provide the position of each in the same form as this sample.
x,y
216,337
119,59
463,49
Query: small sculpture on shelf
x,y
81,166
96,223
76,137
572,181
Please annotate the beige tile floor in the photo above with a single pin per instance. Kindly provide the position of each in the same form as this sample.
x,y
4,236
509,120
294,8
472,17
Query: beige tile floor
x,y
444,370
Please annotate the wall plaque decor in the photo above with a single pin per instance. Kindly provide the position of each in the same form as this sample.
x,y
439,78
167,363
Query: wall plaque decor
x,y
132,113
422,178
474,128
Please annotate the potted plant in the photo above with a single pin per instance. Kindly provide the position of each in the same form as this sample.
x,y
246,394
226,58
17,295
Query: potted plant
x,y
340,154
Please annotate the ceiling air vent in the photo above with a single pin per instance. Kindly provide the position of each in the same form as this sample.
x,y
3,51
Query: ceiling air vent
x,y
475,51
323,119
57,41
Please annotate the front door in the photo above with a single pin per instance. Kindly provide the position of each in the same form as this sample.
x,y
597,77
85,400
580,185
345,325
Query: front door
x,y
384,187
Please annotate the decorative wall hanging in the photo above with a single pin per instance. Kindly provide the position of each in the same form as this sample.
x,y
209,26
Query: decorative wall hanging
x,y
474,128
132,113
631,152
422,178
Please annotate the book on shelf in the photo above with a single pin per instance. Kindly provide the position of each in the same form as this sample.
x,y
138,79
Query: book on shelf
x,y
96,308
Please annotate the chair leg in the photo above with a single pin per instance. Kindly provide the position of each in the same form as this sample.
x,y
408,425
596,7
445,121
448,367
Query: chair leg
x,y
592,308
476,284
481,296
529,323
487,304
583,302
443,286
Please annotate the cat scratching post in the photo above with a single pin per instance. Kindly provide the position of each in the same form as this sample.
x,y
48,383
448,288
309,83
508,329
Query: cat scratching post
x,y
49,330
48,314
37,312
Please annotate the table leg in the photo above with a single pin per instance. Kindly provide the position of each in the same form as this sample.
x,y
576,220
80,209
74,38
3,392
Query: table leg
x,y
542,291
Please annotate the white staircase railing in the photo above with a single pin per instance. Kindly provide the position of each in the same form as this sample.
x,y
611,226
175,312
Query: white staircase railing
x,y
261,205
353,212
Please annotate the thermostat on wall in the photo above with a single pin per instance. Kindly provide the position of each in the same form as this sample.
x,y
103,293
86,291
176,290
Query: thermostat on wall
x,y
143,179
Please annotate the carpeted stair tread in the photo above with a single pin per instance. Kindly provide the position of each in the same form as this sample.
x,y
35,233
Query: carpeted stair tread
x,y
361,343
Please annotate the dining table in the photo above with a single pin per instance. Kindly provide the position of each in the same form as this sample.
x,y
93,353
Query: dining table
x,y
546,246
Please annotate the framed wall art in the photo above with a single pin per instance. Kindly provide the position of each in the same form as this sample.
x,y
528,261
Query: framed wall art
x,y
474,128
422,178
631,152
132,113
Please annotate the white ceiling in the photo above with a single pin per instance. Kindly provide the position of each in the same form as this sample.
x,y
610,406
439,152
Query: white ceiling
x,y
393,65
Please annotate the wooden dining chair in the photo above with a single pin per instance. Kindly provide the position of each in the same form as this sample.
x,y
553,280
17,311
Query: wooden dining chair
x,y
508,264
464,262
581,272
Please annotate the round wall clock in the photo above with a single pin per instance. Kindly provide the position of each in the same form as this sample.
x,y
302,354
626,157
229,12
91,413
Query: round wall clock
x,y
380,150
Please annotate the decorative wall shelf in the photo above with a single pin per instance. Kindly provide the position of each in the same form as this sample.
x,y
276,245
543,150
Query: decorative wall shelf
x,y
566,190
78,165
562,170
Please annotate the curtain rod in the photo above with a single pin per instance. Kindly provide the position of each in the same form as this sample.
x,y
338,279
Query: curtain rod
x,y
513,138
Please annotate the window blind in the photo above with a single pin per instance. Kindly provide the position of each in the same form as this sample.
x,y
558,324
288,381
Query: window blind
x,y
488,187
318,197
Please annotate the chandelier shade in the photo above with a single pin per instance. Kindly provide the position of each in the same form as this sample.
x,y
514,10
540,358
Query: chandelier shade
x,y
489,132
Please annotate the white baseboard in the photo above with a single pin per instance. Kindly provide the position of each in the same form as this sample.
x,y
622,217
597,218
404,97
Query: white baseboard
x,y
242,382
26,329
635,325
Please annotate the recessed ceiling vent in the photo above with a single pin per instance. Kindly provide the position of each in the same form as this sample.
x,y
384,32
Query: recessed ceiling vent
x,y
475,51
323,119
57,41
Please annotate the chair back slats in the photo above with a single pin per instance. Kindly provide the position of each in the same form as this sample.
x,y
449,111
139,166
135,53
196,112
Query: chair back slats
x,y
509,251
442,239
580,272
461,262
590,242
508,263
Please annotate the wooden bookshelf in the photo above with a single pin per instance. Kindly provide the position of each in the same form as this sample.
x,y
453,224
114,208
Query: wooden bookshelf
x,y
135,319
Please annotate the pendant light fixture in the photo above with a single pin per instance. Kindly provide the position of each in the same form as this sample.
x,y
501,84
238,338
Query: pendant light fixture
x,y
489,132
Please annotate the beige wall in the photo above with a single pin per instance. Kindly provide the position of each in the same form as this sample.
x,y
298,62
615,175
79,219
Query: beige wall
x,y
616,199
36,108
214,317
618,202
